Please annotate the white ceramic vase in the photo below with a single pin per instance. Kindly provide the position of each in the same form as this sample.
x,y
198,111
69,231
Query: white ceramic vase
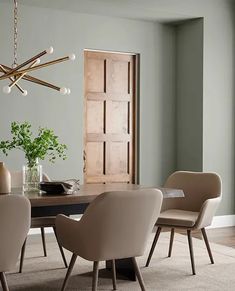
x,y
5,179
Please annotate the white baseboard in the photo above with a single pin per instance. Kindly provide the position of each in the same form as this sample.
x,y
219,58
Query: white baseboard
x,y
223,221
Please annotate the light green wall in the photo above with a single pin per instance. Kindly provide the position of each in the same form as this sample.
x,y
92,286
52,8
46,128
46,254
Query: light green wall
x,y
72,32
189,95
156,43
218,102
218,89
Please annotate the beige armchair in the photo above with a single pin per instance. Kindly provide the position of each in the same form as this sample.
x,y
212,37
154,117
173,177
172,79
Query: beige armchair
x,y
41,222
14,226
195,211
116,225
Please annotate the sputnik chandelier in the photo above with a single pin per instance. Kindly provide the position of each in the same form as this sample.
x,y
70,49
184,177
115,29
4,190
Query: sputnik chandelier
x,y
18,72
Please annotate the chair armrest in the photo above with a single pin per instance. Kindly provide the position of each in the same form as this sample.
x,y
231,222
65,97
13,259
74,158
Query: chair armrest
x,y
171,203
67,230
207,212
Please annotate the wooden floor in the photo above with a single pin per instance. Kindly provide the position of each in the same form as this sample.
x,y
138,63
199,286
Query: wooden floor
x,y
224,235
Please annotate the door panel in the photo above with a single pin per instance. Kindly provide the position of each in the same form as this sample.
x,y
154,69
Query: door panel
x,y
95,117
117,111
118,158
95,158
118,79
95,75
109,135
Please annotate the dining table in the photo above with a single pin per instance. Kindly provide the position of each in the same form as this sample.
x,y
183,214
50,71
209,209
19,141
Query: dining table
x,y
74,203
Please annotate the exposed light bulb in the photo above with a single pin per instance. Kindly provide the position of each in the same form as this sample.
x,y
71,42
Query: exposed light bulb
x,y
38,61
72,57
63,90
50,50
68,91
25,93
6,89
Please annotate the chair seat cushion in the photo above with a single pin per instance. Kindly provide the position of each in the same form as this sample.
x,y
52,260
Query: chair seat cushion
x,y
176,217
48,221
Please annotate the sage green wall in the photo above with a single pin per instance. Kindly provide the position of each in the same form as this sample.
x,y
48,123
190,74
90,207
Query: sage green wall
x,y
218,87
218,101
68,31
72,32
189,95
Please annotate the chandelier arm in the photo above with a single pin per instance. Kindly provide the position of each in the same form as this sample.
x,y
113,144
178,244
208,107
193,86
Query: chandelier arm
x,y
36,80
41,82
22,75
12,79
12,71
16,72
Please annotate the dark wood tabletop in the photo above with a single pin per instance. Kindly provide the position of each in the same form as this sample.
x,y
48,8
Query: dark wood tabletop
x,y
87,193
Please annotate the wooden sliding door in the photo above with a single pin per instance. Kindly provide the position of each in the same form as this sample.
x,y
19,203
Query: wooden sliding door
x,y
109,136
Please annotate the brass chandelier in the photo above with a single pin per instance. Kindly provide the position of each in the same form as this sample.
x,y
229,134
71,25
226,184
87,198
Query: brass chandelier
x,y
20,71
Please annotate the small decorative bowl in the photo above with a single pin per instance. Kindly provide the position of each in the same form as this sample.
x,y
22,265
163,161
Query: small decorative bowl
x,y
54,187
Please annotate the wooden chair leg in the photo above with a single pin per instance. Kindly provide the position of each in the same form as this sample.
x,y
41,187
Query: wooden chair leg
x,y
22,256
95,276
70,268
114,278
190,243
43,241
138,275
61,249
4,281
153,245
207,244
171,242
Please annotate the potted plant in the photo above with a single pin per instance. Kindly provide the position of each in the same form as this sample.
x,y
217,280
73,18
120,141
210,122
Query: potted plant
x,y
45,144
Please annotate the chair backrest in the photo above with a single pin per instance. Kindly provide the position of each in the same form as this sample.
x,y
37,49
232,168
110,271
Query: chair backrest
x,y
14,226
197,187
117,224
17,179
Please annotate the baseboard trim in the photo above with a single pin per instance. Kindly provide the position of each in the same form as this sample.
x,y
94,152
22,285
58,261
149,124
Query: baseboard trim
x,y
223,221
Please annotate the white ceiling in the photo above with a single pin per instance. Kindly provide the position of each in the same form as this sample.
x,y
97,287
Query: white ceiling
x,y
152,10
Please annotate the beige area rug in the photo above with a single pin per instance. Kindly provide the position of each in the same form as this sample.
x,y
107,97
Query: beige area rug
x,y
164,273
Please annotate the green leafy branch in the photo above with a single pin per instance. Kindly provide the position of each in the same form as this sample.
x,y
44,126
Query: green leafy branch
x,y
45,144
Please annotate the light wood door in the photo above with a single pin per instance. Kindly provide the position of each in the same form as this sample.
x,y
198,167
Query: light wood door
x,y
109,136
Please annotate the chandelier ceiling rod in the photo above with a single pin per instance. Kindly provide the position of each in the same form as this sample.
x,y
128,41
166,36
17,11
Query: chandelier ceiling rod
x,y
14,74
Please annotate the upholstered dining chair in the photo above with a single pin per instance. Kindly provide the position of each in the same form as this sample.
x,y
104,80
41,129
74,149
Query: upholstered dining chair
x,y
41,222
116,225
193,212
14,226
